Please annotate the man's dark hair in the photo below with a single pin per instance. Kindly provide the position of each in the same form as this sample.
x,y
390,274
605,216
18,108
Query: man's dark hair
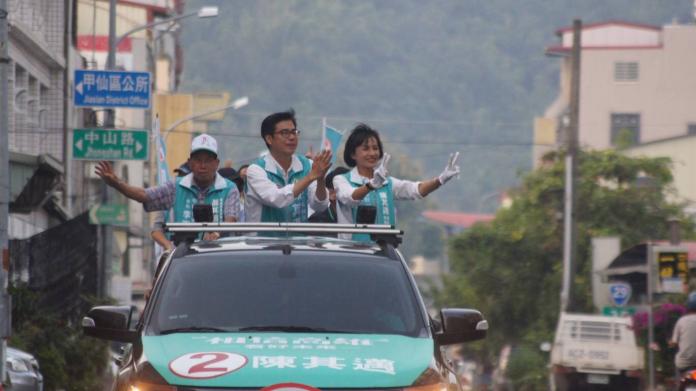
x,y
268,124
358,137
336,171
183,169
233,175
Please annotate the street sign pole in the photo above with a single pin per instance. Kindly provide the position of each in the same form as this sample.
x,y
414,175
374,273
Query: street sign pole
x,y
571,167
104,276
5,323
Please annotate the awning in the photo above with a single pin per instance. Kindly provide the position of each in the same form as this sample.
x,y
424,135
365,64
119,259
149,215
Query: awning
x,y
33,179
634,259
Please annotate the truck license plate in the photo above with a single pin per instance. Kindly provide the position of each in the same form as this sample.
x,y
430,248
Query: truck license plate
x,y
594,378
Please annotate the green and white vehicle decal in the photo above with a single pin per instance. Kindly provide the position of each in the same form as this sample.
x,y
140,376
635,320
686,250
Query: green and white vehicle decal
x,y
263,359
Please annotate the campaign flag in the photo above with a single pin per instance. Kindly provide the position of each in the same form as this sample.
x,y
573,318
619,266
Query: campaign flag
x,y
162,166
331,139
162,169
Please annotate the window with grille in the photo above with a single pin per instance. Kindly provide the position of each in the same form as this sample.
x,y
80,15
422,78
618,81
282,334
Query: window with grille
x,y
626,71
625,129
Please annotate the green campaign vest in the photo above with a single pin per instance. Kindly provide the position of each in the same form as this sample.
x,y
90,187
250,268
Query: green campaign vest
x,y
382,199
186,196
298,211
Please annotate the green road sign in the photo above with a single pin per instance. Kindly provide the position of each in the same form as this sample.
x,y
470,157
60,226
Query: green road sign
x,y
110,144
109,214
618,311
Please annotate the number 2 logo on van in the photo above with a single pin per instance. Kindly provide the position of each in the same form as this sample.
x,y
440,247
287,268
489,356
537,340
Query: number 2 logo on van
x,y
206,365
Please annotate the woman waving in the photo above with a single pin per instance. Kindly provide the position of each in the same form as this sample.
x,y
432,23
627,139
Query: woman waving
x,y
368,189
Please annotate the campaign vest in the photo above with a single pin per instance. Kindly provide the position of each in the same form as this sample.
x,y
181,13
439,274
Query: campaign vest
x,y
297,212
382,199
185,197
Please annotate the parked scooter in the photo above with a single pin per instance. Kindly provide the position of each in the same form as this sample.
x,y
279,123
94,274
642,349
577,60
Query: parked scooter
x,y
687,382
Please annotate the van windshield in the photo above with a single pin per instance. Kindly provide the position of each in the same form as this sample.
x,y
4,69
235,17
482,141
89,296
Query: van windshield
x,y
300,292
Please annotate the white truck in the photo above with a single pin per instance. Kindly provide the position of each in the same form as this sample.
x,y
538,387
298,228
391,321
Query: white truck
x,y
595,352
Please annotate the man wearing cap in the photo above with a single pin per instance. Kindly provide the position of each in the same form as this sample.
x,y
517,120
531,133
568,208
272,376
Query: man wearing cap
x,y
202,185
281,185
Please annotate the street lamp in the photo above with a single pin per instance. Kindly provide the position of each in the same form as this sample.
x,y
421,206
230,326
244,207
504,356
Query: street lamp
x,y
237,104
203,12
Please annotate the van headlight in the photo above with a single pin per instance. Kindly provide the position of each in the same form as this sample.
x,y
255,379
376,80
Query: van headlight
x,y
17,365
140,386
147,379
429,380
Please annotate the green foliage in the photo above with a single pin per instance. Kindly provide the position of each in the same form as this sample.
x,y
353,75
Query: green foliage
x,y
527,368
625,138
68,359
510,269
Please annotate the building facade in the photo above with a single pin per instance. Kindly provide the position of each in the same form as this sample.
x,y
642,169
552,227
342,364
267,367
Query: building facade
x,y
44,191
682,151
153,50
637,85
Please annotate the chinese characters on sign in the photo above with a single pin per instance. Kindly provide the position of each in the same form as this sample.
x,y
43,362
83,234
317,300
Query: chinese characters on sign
x,y
358,364
673,271
314,361
196,365
112,89
301,343
111,144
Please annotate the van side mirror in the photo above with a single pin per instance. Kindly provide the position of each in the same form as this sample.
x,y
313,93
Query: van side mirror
x,y
461,325
110,323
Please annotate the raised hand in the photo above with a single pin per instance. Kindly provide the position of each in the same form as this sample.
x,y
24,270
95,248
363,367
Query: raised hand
x,y
451,170
106,173
321,163
380,175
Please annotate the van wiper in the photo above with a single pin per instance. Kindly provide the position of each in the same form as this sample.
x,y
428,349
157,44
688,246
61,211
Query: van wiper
x,y
193,329
291,329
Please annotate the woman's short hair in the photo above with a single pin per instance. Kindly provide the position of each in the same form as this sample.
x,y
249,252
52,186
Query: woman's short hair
x,y
358,137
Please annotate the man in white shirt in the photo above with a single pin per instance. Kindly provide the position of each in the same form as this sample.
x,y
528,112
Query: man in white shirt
x,y
684,337
281,185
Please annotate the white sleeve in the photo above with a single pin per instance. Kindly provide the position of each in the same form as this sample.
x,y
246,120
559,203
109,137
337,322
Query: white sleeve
x,y
344,191
405,190
677,331
314,202
266,191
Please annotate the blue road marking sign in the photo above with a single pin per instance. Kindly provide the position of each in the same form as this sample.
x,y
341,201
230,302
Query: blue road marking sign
x,y
620,293
94,88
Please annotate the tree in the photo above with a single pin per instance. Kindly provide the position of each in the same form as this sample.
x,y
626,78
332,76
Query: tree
x,y
69,360
511,268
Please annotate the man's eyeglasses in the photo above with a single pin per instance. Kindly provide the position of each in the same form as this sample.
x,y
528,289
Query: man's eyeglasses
x,y
286,133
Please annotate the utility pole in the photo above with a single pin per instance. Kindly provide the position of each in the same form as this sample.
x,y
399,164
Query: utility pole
x,y
649,278
5,303
109,123
570,197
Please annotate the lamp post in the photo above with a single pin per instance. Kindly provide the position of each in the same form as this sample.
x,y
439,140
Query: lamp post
x,y
237,104
5,303
203,12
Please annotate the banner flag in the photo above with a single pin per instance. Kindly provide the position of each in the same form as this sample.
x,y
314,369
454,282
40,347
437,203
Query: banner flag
x,y
163,175
331,139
